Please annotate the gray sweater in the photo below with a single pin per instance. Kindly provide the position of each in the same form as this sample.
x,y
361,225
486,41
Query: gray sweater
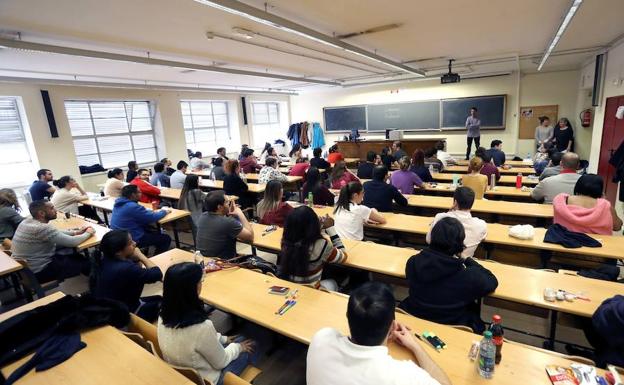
x,y
36,242
9,220
550,187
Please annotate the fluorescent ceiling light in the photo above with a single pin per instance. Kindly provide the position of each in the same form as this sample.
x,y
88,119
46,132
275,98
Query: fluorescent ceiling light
x,y
562,27
241,9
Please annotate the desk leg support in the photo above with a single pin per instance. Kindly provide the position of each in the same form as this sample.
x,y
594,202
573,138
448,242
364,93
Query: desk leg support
x,y
176,236
545,256
105,215
550,343
489,248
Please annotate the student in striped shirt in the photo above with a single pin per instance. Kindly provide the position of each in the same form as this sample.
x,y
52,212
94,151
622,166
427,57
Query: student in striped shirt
x,y
306,249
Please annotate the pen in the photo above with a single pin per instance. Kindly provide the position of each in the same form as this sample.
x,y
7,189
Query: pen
x,y
292,304
283,307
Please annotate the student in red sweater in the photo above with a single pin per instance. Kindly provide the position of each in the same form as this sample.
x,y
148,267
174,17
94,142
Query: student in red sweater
x,y
341,176
249,164
149,193
300,168
272,210
334,156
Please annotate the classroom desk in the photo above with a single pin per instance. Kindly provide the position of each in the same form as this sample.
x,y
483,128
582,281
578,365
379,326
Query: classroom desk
x,y
74,222
31,305
218,185
503,192
534,210
107,204
289,178
109,358
504,179
515,163
513,170
7,264
244,293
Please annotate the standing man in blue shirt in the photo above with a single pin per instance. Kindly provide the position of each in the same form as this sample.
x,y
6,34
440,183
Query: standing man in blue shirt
x,y
473,128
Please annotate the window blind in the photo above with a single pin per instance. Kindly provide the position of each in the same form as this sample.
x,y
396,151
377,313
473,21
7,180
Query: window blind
x,y
206,125
16,166
266,122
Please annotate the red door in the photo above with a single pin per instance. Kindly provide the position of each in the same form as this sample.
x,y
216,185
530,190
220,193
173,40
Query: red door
x,y
612,137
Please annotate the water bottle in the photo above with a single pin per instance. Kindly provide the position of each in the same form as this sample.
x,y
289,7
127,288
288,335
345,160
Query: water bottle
x,y
455,180
102,191
431,170
310,199
243,176
213,178
519,181
492,181
497,336
528,155
487,356
199,259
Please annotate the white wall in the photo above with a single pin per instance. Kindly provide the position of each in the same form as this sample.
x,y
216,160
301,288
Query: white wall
x,y
544,88
58,154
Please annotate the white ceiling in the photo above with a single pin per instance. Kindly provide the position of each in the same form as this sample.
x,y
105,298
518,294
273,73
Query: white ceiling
x,y
486,34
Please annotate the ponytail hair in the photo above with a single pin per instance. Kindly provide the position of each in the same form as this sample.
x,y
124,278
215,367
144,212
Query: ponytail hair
x,y
112,242
116,171
344,199
62,181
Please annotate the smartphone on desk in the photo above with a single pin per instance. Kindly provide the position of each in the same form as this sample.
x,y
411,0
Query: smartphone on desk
x,y
278,290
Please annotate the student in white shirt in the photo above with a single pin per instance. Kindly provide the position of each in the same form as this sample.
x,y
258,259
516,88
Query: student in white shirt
x,y
68,196
114,183
442,155
362,358
177,178
350,216
475,228
188,338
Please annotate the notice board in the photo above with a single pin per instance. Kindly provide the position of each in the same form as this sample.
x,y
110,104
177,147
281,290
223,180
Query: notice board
x,y
529,119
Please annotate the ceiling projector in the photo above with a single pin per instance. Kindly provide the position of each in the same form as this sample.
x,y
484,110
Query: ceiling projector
x,y
450,77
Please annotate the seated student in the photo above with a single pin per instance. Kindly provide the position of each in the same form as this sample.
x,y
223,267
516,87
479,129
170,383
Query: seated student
x,y
234,185
378,194
249,165
547,189
540,159
554,166
398,152
120,272
220,226
197,162
605,332
192,199
66,200
37,241
305,250
159,178
10,216
418,166
266,151
341,176
586,211
272,210
444,286
319,162
114,183
188,338
270,172
314,184
221,154
365,169
475,180
442,155
334,156
241,154
362,357
474,228
386,157
496,152
177,178
432,161
488,168
132,173
218,171
300,168
168,169
129,215
41,189
350,215
403,179
149,193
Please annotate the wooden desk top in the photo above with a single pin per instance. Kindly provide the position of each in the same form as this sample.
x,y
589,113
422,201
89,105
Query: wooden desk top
x,y
170,193
31,305
73,222
504,179
107,204
7,264
503,191
290,178
518,163
218,185
536,210
513,170
244,293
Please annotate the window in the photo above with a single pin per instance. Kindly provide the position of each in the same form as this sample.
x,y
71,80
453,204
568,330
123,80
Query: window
x,y
16,164
112,133
207,125
266,122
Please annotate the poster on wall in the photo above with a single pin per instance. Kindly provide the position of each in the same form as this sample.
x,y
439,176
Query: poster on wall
x,y
529,119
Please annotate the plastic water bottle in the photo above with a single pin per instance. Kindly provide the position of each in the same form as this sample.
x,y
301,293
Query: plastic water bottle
x,y
487,356
310,199
431,170
497,336
492,181
528,155
199,259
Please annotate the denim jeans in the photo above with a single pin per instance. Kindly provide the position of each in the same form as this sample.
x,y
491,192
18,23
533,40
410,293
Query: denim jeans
x,y
239,364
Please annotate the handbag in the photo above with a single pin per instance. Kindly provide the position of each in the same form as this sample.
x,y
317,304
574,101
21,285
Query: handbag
x,y
253,262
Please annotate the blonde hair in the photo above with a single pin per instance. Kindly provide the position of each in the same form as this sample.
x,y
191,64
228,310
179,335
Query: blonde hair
x,y
404,163
8,198
476,164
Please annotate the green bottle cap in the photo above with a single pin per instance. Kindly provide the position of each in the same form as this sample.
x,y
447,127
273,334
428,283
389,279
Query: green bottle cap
x,y
487,334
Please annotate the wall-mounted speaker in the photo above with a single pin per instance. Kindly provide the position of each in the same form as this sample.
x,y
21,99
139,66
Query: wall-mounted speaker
x,y
244,110
49,113
598,72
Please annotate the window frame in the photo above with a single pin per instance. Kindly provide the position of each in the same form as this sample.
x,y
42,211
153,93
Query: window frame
x,y
26,140
214,128
269,122
151,109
